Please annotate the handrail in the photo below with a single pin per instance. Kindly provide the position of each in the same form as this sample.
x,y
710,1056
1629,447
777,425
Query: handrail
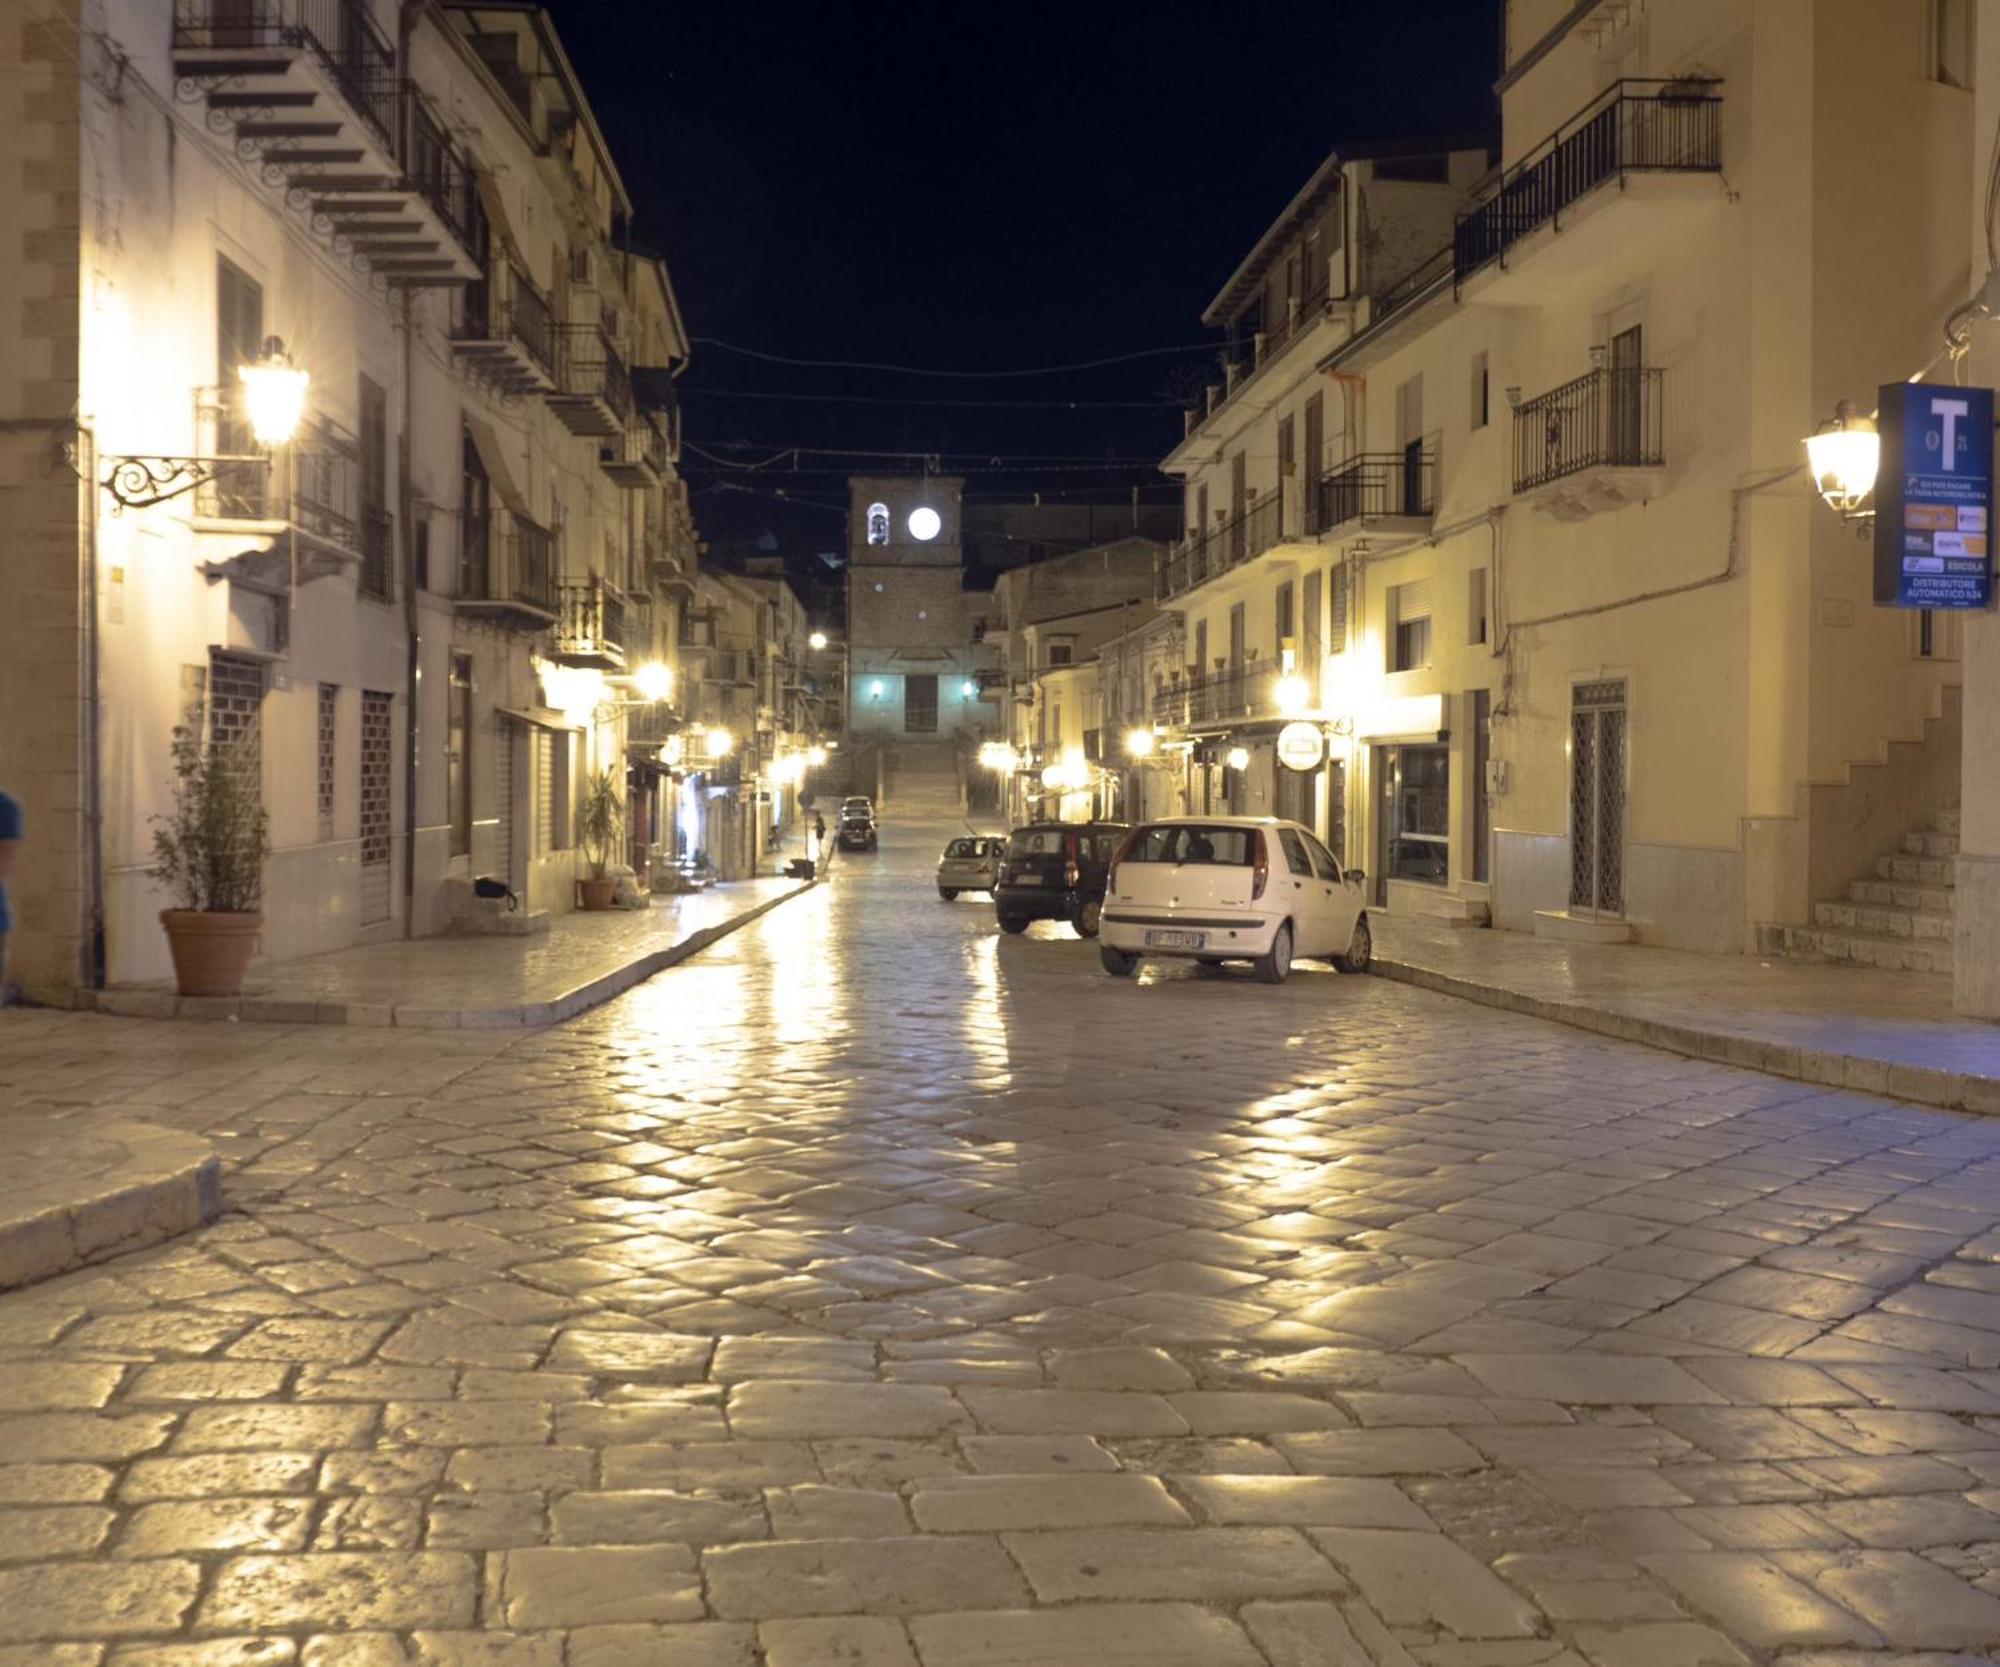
x,y
1612,416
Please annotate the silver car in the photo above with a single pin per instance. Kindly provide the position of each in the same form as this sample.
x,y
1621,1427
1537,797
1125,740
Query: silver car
x,y
971,864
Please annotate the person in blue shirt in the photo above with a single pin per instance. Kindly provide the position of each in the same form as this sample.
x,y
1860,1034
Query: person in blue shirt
x,y
10,849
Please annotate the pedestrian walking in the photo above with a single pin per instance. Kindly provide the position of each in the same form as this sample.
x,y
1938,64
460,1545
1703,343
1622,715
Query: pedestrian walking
x,y
10,848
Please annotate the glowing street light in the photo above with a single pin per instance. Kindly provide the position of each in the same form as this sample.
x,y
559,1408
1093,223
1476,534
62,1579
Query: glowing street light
x,y
719,743
1139,743
816,641
1294,694
1844,455
1238,758
816,756
654,681
274,392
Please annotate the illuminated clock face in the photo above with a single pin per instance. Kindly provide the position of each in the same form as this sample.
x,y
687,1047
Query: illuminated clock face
x,y
925,524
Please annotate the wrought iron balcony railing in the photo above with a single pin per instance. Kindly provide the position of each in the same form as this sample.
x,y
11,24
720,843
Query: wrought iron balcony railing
x,y
1196,560
593,392
506,327
339,34
1633,126
590,627
437,166
1208,699
1372,486
1609,417
507,564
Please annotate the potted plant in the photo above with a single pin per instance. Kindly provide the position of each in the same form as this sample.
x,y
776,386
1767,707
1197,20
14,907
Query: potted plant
x,y
209,852
600,816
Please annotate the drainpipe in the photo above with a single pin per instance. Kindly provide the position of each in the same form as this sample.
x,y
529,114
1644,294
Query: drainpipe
x,y
406,28
93,776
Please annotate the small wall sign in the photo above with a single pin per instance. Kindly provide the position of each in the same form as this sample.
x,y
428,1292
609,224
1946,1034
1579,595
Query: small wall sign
x,y
1301,746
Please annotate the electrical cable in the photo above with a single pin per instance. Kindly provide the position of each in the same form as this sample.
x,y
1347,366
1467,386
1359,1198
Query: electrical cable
x,y
928,454
968,375
956,404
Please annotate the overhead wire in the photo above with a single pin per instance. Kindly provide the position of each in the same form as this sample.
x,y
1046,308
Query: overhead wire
x,y
966,375
953,404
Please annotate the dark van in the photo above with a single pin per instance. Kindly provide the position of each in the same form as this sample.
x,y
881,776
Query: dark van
x,y
1056,871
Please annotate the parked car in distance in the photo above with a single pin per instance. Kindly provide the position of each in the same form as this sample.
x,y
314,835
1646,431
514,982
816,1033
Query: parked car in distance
x,y
969,864
857,831
1230,888
1055,871
858,804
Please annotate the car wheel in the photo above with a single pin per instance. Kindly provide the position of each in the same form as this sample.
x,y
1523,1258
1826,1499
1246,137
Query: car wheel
x,y
1013,923
1276,966
948,894
1360,949
1117,962
1087,918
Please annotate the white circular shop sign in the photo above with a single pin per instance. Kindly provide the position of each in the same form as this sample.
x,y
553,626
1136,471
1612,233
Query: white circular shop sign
x,y
1301,746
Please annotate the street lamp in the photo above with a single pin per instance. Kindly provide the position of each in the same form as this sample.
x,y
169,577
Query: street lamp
x,y
274,397
654,681
1844,455
719,743
1294,694
816,641
1139,743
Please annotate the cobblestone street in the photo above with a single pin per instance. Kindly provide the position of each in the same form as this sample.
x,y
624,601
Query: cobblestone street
x,y
875,1289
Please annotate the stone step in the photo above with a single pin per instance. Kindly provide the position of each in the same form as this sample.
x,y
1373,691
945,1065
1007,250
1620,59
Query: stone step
x,y
1923,871
1894,954
1884,921
1895,894
1929,843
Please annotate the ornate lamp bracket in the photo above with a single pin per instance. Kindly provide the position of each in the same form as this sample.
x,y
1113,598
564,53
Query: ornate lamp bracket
x,y
139,482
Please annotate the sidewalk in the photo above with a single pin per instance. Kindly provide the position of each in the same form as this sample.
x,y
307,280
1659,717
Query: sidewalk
x,y
1879,1032
476,982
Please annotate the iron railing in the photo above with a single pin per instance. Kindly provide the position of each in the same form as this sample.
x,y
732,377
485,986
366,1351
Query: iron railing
x,y
589,367
1375,484
641,443
377,560
1215,697
506,304
591,619
436,165
507,558
1196,560
1608,417
1633,126
339,34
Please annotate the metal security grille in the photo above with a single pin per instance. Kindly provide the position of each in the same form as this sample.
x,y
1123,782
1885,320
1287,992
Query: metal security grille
x,y
1597,798
1336,636
1336,810
545,792
503,795
375,767
236,707
329,740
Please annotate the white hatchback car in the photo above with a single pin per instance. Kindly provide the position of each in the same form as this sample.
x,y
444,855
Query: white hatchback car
x,y
1232,888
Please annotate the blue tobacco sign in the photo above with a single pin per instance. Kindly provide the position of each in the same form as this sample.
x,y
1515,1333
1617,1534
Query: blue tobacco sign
x,y
1934,497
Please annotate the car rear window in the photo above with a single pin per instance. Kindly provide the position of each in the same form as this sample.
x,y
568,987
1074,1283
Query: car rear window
x,y
1181,842
966,848
1037,842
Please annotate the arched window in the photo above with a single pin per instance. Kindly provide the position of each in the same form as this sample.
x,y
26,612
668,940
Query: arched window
x,y
878,523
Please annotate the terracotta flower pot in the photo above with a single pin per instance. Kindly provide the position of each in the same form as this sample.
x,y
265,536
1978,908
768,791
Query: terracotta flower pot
x,y
211,951
597,894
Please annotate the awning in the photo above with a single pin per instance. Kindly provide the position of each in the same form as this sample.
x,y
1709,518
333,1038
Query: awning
x,y
487,444
538,717
496,215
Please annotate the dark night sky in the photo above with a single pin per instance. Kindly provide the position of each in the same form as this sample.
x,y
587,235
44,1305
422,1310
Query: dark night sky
x,y
980,188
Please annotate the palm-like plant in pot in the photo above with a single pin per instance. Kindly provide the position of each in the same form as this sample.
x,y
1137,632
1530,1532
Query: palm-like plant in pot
x,y
209,851
600,818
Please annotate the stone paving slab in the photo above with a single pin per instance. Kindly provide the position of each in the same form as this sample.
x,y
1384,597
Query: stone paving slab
x,y
1861,1028
475,982
77,1190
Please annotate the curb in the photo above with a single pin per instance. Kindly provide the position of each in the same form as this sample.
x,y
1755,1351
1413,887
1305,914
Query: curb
x,y
165,1183
1921,1084
164,1004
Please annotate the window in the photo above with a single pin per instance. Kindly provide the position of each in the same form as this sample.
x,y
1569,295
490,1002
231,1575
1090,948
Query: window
x,y
1948,42
1185,843
1481,390
1413,645
1283,609
920,703
1410,618
1475,606
1481,704
458,756
373,577
1236,638
878,523
1062,653
1323,865
1295,852
1416,830
1313,634
475,499
328,753
239,489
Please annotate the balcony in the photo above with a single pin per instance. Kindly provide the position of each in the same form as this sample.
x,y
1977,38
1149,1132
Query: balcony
x,y
1593,444
506,331
307,503
590,627
1217,700
593,389
506,571
1386,492
637,458
1231,543
308,89
1648,136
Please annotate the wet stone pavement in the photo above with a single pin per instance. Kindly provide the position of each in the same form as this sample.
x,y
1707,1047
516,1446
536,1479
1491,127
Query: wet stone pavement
x,y
878,1290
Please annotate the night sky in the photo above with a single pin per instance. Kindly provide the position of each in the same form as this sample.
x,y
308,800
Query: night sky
x,y
979,188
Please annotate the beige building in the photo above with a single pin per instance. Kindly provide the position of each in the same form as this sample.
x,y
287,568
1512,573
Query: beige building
x,y
428,606
1521,528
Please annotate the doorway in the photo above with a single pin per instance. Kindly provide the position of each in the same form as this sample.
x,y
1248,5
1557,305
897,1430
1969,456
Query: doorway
x,y
1414,829
1597,798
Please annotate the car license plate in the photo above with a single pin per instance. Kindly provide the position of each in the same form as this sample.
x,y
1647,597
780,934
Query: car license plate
x,y
1176,940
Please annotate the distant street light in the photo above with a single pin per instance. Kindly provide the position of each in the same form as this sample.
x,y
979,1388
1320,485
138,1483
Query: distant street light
x,y
816,641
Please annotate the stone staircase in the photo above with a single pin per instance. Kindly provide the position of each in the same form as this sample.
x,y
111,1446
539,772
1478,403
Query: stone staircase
x,y
1900,916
